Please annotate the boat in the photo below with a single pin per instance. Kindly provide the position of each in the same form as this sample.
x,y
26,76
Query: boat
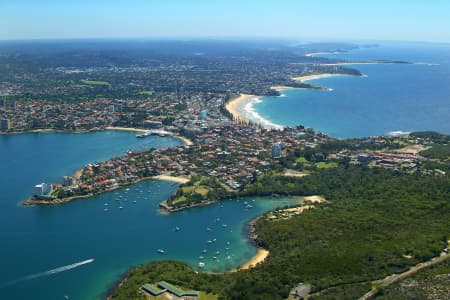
x,y
214,257
201,264
120,207
204,251
208,229
160,251
134,201
224,225
217,252
106,204
105,209
228,257
201,257
214,239
177,228
209,242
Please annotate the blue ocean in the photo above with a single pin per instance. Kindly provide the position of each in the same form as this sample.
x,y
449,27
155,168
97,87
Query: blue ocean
x,y
391,97
79,249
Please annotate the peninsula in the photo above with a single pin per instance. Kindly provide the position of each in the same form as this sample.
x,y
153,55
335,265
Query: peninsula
x,y
386,207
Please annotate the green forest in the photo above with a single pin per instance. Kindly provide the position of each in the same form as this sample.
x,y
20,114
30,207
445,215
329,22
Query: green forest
x,y
375,222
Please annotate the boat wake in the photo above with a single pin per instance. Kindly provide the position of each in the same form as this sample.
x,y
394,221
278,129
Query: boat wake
x,y
48,273
426,64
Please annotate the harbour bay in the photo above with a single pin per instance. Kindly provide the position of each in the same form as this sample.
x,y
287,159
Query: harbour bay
x,y
80,250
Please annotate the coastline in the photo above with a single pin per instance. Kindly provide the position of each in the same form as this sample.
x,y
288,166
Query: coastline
x,y
257,259
180,180
30,201
244,101
320,53
305,78
125,129
50,130
234,104
185,140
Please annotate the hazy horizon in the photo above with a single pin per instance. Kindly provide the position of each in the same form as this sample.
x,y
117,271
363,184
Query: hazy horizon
x,y
347,20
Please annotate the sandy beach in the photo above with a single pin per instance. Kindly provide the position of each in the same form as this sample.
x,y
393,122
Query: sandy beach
x,y
314,199
315,76
126,129
258,258
356,63
233,105
186,141
78,173
282,88
180,180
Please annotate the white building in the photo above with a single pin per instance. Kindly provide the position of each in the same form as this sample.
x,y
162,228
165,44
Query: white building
x,y
43,189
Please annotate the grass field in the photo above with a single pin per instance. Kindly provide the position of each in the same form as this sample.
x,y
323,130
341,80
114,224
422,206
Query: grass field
x,y
148,93
324,165
93,82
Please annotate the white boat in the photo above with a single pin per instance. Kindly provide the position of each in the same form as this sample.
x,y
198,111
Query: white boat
x,y
214,240
120,207
160,251
105,209
177,228
209,242
204,251
214,257
201,264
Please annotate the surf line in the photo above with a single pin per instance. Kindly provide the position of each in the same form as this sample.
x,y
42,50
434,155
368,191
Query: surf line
x,y
49,272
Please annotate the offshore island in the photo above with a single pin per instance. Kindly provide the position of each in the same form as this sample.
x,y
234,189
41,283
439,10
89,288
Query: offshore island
x,y
388,193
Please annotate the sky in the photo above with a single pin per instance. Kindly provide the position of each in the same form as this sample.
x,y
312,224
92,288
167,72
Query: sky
x,y
412,20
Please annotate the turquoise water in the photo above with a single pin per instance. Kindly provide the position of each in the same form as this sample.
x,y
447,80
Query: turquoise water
x,y
80,250
391,98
